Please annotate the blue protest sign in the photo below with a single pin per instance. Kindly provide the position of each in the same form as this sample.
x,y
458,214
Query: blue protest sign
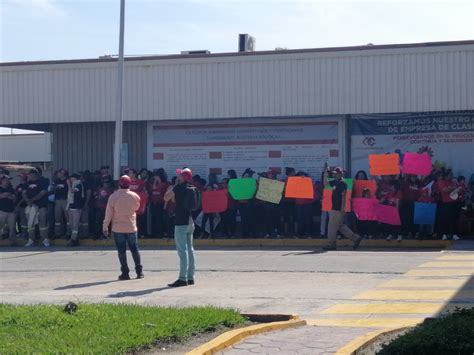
x,y
425,213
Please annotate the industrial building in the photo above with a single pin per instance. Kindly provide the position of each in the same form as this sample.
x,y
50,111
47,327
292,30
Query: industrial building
x,y
268,109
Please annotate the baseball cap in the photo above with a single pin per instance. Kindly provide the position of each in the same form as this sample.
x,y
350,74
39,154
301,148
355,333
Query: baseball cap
x,y
338,170
186,172
125,181
33,171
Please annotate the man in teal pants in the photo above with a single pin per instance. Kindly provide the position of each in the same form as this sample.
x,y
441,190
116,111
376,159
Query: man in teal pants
x,y
184,227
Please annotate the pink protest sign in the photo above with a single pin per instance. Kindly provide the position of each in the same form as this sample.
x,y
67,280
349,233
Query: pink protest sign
x,y
417,164
387,214
365,208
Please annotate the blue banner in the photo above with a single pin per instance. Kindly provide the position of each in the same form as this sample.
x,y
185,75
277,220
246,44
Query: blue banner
x,y
425,213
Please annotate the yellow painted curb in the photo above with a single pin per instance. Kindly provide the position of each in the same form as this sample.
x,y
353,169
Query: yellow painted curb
x,y
312,243
357,344
233,336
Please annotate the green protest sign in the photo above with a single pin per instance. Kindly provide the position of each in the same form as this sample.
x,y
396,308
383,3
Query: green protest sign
x,y
349,183
270,190
242,189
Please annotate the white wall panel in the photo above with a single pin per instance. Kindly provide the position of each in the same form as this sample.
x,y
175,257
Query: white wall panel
x,y
429,78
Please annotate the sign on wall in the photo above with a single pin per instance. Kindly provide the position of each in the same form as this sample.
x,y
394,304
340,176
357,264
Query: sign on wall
x,y
260,145
447,137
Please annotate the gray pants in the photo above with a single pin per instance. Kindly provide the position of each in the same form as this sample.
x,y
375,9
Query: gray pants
x,y
59,214
43,224
336,224
74,220
8,218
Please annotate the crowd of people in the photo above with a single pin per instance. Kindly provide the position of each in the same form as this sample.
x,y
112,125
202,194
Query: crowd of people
x,y
72,206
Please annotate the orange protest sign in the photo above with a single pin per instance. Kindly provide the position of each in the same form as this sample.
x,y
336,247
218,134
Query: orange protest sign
x,y
384,164
327,200
360,185
299,187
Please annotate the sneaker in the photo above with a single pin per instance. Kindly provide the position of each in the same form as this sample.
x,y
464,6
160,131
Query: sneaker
x,y
29,243
190,282
389,238
357,242
124,277
399,238
178,283
456,237
329,248
445,237
46,243
73,243
140,275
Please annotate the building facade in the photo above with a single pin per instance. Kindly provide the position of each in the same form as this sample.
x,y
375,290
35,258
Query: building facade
x,y
261,110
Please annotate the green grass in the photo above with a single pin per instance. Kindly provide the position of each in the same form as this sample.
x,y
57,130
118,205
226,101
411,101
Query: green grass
x,y
103,328
451,334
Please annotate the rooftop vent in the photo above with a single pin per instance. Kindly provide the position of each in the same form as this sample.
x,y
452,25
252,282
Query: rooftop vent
x,y
246,43
205,51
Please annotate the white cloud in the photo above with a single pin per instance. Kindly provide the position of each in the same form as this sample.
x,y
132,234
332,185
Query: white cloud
x,y
40,7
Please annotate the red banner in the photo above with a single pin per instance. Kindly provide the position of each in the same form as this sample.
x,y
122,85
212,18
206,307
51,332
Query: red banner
x,y
215,201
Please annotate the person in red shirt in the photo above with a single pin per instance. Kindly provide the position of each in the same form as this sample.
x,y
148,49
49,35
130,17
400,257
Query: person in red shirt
x,y
447,214
410,192
101,197
425,197
158,186
138,186
303,211
228,218
388,194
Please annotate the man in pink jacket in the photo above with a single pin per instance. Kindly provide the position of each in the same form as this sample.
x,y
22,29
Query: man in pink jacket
x,y
121,212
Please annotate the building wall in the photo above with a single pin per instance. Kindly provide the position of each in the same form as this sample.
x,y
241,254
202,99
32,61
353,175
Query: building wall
x,y
30,148
88,146
294,83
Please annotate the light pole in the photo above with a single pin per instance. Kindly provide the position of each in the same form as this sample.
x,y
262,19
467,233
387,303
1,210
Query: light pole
x,y
119,118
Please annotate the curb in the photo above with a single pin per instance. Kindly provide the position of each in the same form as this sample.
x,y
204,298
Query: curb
x,y
313,243
233,336
354,346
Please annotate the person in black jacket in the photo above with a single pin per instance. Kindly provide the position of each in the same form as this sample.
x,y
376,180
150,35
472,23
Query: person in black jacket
x,y
75,204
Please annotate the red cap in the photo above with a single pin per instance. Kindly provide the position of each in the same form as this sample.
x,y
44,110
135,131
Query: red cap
x,y
186,173
125,181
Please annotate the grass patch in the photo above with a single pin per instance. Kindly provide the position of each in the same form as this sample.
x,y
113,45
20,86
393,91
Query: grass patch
x,y
451,334
103,328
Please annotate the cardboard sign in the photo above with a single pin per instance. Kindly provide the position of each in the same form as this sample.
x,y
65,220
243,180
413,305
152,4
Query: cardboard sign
x,y
360,185
384,164
299,187
365,208
215,201
242,189
270,190
425,213
417,164
387,214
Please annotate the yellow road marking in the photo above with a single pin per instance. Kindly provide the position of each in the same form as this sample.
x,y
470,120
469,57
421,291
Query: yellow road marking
x,y
448,264
352,347
414,295
368,322
440,272
423,283
394,308
457,257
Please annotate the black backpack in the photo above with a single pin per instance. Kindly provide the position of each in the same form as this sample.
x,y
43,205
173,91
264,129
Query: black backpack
x,y
192,198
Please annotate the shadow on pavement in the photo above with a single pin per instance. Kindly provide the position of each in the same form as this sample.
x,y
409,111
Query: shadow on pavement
x,y
90,284
136,293
462,299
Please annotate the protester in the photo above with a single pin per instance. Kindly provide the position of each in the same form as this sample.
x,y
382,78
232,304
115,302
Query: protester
x,y
86,215
76,200
410,192
36,197
101,197
20,204
60,191
121,213
7,207
336,215
184,195
159,185
425,229
449,196
388,193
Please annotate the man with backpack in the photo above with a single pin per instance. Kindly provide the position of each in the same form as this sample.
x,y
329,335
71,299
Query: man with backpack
x,y
187,199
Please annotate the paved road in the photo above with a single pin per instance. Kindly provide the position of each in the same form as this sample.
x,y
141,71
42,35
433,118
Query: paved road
x,y
334,289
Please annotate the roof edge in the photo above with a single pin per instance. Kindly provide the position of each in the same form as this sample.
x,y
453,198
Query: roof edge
x,y
245,54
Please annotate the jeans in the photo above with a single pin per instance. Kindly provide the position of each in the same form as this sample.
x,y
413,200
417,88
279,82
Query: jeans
x,y
121,241
183,237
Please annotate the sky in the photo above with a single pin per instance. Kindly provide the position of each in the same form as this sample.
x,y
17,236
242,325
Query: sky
x,y
67,29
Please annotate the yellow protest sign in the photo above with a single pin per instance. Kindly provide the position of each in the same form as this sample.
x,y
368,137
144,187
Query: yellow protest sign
x,y
270,190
